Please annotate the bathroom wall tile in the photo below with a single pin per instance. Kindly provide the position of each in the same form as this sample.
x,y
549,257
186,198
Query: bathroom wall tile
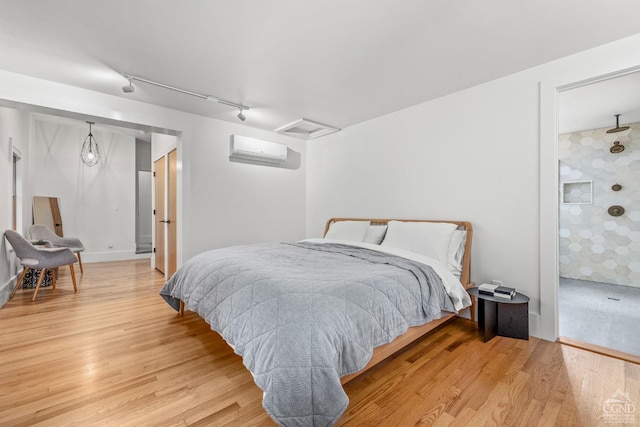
x,y
594,245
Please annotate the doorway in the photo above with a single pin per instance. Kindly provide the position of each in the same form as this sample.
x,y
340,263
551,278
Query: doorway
x,y
144,198
165,213
50,132
599,215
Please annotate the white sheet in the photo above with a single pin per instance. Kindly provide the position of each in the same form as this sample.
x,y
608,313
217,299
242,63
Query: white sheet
x,y
451,283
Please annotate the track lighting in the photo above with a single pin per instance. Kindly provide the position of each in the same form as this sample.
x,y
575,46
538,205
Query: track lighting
x,y
130,88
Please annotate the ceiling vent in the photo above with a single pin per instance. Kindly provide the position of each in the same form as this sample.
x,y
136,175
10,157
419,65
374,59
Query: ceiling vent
x,y
306,129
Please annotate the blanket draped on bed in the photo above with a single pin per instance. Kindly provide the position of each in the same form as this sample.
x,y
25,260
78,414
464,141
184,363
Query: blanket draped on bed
x,y
302,315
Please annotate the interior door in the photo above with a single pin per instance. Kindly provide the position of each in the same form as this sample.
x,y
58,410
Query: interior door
x,y
172,241
159,218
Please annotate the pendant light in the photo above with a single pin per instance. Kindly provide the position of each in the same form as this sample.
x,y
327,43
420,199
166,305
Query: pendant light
x,y
90,153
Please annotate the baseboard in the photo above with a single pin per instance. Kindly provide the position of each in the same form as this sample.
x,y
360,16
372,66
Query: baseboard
x,y
5,290
534,325
88,257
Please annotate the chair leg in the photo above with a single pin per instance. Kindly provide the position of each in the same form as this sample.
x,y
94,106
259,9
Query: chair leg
x,y
19,282
54,277
73,278
80,262
40,277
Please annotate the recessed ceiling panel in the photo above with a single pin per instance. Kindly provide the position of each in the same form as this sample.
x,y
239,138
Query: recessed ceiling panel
x,y
306,129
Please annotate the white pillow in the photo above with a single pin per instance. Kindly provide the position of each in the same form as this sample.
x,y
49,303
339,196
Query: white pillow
x,y
427,238
375,234
353,231
456,250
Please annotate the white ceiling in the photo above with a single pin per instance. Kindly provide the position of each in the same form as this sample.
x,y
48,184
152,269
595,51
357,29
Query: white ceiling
x,y
338,62
594,106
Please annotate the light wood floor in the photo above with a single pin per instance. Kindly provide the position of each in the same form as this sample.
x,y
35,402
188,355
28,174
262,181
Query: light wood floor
x,y
116,354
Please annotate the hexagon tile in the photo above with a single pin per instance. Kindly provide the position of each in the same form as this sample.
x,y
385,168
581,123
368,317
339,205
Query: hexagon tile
x,y
593,244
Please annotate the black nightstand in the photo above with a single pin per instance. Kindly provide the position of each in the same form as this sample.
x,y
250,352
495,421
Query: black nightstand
x,y
501,316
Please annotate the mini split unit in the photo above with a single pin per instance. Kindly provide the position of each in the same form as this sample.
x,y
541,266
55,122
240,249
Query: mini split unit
x,y
257,150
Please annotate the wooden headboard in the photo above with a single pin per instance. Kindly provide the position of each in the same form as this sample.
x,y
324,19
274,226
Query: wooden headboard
x,y
465,276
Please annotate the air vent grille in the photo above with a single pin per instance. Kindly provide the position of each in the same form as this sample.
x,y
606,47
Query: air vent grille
x,y
306,129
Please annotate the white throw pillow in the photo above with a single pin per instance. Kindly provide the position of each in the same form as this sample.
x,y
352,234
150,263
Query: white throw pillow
x,y
375,234
427,238
456,250
353,231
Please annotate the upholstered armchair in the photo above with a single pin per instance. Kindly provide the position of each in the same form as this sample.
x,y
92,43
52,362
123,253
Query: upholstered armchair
x,y
42,232
43,259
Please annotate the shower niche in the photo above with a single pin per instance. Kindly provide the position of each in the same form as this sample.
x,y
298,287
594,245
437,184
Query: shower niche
x,y
577,193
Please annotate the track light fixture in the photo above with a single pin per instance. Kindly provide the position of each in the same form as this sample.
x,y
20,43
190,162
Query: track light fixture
x,y
130,88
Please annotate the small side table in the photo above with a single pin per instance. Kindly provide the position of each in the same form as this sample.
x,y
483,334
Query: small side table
x,y
501,316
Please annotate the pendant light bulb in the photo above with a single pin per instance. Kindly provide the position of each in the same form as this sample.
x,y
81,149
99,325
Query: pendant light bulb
x,y
90,153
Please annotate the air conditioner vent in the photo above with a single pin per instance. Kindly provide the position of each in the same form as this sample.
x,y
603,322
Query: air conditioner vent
x,y
306,129
245,148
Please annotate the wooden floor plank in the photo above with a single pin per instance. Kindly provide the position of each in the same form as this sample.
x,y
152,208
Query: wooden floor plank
x,y
114,353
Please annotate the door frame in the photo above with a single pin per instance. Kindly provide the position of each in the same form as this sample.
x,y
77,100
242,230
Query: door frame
x,y
172,211
159,243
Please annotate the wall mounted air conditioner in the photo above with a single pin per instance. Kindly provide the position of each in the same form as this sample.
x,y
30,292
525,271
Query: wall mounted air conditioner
x,y
245,148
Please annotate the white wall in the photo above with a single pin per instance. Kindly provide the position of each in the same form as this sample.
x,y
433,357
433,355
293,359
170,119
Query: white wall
x,y
14,132
97,204
14,126
161,145
473,155
235,203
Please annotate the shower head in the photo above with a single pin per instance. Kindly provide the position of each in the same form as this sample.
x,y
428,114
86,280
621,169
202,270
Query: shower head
x,y
617,147
618,128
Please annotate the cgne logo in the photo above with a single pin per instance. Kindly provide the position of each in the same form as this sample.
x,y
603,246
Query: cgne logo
x,y
619,408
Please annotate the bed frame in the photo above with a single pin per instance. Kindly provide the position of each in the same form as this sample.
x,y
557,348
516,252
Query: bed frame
x,y
417,332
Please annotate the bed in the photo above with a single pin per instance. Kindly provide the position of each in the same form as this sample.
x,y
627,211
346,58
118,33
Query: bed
x,y
308,316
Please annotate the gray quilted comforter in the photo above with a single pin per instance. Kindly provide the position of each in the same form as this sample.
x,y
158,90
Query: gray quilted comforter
x,y
302,315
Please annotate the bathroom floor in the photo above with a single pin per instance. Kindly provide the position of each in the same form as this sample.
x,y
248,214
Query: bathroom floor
x,y
601,314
